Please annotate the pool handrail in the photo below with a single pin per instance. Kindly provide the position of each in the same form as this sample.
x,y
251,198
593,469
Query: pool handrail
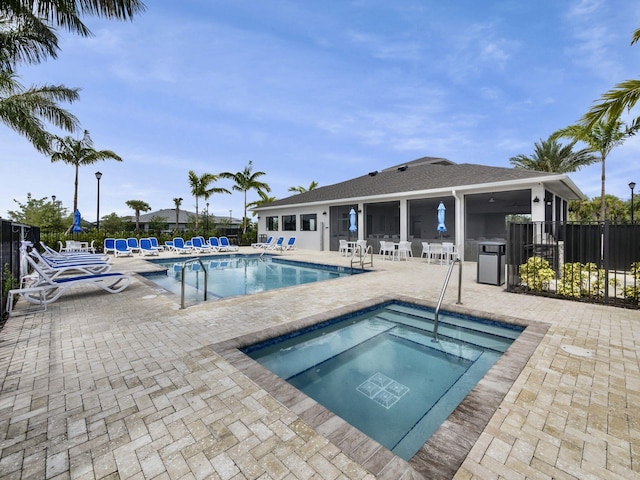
x,y
444,288
184,265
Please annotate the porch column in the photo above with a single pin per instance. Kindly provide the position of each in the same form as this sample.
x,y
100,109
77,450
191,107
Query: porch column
x,y
404,229
459,222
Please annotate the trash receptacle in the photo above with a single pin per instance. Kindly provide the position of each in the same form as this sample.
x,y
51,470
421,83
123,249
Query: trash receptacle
x,y
491,262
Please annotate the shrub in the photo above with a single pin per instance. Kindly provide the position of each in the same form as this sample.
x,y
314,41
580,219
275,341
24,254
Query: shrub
x,y
536,274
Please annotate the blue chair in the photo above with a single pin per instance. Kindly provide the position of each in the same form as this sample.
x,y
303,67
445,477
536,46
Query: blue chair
x,y
277,245
199,246
290,244
146,248
122,248
225,246
132,242
179,245
214,244
109,245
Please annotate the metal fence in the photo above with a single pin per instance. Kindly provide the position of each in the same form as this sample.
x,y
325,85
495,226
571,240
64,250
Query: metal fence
x,y
11,234
598,262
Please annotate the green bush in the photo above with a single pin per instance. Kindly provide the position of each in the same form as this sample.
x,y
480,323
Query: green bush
x,y
632,293
536,274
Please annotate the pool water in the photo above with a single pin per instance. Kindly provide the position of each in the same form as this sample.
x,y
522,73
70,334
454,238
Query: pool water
x,y
234,275
382,371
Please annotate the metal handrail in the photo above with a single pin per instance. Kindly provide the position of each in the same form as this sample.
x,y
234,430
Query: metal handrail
x,y
361,256
184,265
444,288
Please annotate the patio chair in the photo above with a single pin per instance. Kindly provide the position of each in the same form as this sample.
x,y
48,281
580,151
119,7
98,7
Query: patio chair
x,y
262,244
290,245
155,244
57,269
425,250
387,249
403,252
225,245
133,244
48,289
180,247
214,244
122,248
109,245
277,245
146,248
199,246
343,248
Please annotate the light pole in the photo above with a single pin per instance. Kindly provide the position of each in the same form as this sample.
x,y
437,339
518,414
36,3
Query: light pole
x,y
55,210
98,176
632,185
207,217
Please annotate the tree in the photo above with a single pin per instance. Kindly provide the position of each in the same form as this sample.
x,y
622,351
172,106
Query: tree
x,y
590,210
29,35
601,138
79,153
550,156
244,181
177,202
200,187
300,189
138,206
264,199
623,96
113,223
39,212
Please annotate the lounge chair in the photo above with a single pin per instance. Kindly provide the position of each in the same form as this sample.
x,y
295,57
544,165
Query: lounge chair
x,y
262,244
180,247
52,254
59,269
225,246
277,245
48,289
168,245
109,245
133,244
199,245
146,248
154,244
122,249
290,245
214,244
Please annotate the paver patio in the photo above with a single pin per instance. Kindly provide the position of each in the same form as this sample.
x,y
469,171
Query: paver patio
x,y
128,386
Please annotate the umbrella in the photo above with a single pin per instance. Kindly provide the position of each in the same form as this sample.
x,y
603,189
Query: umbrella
x,y
353,226
441,226
76,227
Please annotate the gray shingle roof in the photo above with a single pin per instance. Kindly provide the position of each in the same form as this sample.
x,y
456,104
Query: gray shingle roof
x,y
423,174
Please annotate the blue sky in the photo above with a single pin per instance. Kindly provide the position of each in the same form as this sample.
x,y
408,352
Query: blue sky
x,y
323,91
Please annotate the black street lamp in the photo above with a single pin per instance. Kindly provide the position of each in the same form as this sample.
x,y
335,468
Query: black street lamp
x,y
98,176
632,185
207,217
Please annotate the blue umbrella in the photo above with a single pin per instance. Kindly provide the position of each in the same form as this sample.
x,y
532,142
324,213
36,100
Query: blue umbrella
x,y
353,226
76,227
441,226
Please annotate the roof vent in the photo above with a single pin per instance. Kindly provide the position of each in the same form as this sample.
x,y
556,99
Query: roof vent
x,y
373,174
402,168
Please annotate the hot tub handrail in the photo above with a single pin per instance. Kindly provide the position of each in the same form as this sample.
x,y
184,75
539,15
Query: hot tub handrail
x,y
444,289
359,256
184,265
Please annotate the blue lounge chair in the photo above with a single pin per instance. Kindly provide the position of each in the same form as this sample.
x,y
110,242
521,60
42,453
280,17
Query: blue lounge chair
x,y
277,245
109,245
262,244
179,246
146,248
154,244
225,246
290,244
214,244
122,249
199,246
133,244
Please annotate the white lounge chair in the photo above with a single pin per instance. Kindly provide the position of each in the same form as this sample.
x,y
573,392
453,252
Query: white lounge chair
x,y
277,245
225,245
199,246
146,248
133,245
47,290
262,244
290,245
180,247
109,245
61,268
121,248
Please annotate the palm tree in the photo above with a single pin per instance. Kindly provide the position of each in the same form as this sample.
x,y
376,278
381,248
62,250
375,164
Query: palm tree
x,y
601,138
138,206
550,156
244,181
200,187
300,189
79,153
177,202
616,101
264,199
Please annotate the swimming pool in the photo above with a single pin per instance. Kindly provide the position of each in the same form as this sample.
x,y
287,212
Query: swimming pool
x,y
381,371
234,275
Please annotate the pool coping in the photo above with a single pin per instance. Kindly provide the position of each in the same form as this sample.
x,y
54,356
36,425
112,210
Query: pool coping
x,y
447,448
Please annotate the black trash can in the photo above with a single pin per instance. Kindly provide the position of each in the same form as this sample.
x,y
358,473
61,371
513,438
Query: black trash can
x,y
491,262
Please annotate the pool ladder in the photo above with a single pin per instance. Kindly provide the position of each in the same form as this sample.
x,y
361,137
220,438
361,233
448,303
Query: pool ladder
x,y
360,256
184,265
444,289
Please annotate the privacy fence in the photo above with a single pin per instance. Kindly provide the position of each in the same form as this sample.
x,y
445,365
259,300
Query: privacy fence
x,y
10,236
597,262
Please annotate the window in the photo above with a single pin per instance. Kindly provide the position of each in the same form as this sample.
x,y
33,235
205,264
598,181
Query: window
x,y
272,224
288,222
309,222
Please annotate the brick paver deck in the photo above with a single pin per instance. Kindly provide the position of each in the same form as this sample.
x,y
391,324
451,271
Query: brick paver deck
x,y
128,386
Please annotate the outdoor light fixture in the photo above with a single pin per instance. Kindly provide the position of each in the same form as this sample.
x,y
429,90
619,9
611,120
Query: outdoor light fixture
x,y
98,177
324,213
491,200
632,185
536,200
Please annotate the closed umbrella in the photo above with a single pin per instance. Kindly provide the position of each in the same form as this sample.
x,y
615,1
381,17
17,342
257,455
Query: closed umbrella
x,y
441,226
353,225
76,227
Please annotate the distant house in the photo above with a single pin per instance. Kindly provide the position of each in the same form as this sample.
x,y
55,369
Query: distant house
x,y
185,218
401,203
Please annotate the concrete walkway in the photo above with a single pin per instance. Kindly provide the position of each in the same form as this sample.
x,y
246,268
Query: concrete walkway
x,y
130,386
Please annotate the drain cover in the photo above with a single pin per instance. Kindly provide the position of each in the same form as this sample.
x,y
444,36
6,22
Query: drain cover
x,y
579,351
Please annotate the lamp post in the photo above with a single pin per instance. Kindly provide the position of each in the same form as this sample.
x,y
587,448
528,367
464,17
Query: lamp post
x,y
632,185
98,176
207,217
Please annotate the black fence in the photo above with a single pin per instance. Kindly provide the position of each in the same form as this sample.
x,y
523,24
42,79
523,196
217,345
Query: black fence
x,y
598,262
10,236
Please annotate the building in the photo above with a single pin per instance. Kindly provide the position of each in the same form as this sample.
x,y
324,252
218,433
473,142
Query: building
x,y
186,219
401,203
